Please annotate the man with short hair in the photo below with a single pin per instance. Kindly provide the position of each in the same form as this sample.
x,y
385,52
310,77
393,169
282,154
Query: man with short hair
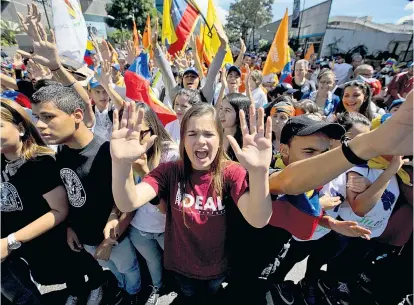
x,y
364,70
300,82
84,162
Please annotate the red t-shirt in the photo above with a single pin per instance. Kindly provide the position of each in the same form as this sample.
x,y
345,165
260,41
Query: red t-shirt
x,y
198,249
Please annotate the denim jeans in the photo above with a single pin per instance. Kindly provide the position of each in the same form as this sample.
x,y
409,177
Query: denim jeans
x,y
123,263
16,284
151,247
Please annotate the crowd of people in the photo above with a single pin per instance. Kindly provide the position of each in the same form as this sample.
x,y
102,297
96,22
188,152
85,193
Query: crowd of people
x,y
252,177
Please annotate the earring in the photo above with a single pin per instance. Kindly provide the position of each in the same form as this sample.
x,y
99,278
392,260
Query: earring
x,y
21,134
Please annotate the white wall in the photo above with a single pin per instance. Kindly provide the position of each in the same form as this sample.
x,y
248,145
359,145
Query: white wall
x,y
374,41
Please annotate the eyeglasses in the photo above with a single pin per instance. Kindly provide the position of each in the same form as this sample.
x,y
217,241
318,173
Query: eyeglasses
x,y
144,133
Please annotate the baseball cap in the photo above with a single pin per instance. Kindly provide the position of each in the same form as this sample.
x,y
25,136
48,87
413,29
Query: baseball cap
x,y
397,102
234,68
192,71
93,83
291,91
282,87
305,126
117,67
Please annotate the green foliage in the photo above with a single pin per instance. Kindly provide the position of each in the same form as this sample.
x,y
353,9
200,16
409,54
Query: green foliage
x,y
120,36
248,14
9,29
122,9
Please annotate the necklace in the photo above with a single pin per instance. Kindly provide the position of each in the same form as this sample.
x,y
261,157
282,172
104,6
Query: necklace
x,y
13,166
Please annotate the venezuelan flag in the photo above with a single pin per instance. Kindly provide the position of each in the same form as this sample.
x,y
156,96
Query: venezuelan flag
x,y
90,50
138,88
298,214
278,59
178,20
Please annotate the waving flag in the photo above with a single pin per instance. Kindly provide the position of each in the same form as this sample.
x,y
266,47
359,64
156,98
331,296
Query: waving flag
x,y
278,59
309,52
70,29
178,21
135,36
212,40
90,50
146,37
138,88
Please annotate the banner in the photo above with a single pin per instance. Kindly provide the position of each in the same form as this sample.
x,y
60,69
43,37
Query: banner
x,y
70,29
296,14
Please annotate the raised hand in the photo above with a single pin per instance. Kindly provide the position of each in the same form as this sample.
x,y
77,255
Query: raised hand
x,y
349,228
126,144
17,61
105,51
256,153
105,75
132,52
224,41
45,51
37,72
243,47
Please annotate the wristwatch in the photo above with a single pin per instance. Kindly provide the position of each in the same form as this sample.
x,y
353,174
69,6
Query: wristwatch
x,y
12,243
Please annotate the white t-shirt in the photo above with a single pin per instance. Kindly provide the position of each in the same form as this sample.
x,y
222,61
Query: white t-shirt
x,y
147,217
103,124
336,187
375,220
341,72
173,128
259,97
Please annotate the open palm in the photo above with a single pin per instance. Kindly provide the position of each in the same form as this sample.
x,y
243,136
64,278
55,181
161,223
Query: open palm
x,y
45,51
126,146
256,152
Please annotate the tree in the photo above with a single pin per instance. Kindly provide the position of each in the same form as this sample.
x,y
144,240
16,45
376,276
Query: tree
x,y
9,29
122,10
120,36
248,14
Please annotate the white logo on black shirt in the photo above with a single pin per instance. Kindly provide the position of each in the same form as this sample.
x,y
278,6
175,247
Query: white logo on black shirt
x,y
74,187
10,199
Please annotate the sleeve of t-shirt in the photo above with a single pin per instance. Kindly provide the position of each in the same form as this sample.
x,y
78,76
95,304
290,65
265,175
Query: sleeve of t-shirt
x,y
46,165
236,179
160,177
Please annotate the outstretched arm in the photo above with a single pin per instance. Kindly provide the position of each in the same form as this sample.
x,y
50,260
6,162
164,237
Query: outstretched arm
x,y
255,156
394,137
125,150
46,54
214,68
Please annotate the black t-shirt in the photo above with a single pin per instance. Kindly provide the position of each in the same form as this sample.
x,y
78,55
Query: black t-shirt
x,y
306,87
87,176
22,199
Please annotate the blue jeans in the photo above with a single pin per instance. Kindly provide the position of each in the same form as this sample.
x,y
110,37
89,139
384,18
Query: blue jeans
x,y
16,284
151,247
123,263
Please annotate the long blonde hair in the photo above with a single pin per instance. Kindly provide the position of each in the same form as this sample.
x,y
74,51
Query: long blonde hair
x,y
32,143
219,162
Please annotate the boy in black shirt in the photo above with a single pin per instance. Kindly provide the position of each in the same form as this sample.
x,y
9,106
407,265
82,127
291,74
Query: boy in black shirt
x,y
84,161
